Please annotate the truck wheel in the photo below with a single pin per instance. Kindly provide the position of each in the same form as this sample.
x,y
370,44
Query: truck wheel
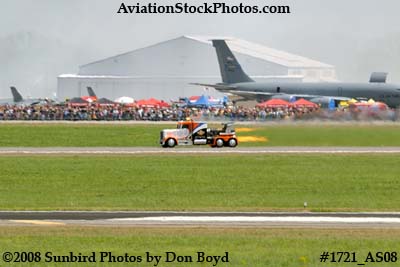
x,y
232,142
219,142
171,142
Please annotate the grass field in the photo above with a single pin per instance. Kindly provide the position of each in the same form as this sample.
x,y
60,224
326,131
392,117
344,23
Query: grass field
x,y
200,183
62,135
245,247
211,183
69,135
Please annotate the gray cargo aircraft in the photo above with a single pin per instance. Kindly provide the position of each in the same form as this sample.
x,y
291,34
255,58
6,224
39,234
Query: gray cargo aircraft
x,y
237,82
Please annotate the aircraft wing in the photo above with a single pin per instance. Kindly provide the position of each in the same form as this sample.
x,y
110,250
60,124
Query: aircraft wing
x,y
220,87
305,96
260,95
252,95
257,95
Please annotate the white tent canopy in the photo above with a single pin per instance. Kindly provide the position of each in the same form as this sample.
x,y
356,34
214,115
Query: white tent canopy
x,y
124,100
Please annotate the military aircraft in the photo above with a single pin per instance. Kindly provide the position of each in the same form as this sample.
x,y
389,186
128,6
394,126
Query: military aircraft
x,y
92,97
237,82
19,100
91,92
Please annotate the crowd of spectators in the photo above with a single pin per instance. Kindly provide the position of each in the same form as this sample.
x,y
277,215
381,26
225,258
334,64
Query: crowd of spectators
x,y
174,113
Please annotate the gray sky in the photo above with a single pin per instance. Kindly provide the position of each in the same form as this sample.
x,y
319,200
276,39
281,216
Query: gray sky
x,y
357,36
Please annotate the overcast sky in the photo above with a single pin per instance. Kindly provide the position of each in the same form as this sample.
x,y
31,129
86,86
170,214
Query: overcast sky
x,y
357,36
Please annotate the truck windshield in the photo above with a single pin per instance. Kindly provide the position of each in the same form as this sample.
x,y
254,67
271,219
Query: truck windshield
x,y
182,126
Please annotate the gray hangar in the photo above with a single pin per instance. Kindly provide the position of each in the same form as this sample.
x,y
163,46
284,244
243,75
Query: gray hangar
x,y
165,70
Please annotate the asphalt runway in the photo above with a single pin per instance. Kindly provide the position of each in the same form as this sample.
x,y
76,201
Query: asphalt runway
x,y
200,219
194,150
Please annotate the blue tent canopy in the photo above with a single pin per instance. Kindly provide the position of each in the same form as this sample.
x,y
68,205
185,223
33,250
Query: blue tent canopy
x,y
202,102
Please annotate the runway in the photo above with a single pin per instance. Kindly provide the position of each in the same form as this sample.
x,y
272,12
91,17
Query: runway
x,y
194,150
201,219
198,219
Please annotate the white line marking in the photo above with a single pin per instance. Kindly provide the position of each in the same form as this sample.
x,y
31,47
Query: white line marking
x,y
244,219
50,152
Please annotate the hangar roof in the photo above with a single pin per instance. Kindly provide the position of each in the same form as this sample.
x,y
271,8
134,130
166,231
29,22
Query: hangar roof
x,y
247,48
263,52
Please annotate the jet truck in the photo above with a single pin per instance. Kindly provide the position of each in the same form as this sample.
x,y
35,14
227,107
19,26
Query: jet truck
x,y
198,133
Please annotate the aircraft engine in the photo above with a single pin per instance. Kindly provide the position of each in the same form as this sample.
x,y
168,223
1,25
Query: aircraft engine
x,y
324,102
286,97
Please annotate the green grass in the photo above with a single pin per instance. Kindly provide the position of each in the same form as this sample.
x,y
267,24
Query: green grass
x,y
245,247
69,135
211,183
327,135
62,135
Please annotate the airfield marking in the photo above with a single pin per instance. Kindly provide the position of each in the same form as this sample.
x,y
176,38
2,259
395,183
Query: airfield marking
x,y
189,219
248,219
152,150
224,221
38,222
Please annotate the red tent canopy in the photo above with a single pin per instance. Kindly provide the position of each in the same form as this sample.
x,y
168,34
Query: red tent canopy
x,y
148,103
304,103
366,105
131,105
151,103
194,98
274,103
164,104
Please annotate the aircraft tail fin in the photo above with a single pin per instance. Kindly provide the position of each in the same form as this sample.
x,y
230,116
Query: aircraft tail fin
x,y
90,91
231,71
17,97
